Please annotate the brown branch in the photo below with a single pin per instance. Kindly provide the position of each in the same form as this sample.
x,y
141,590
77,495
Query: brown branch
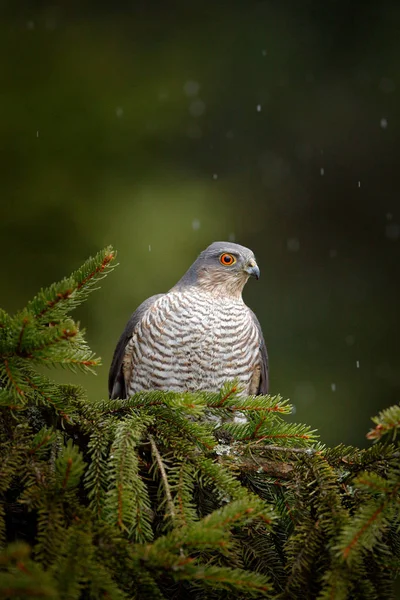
x,y
66,334
285,436
49,400
11,378
164,478
64,295
74,361
357,536
229,581
44,441
374,486
21,333
237,516
21,567
51,303
67,473
138,514
308,451
106,260
180,496
120,488
183,543
275,408
372,518
261,465
257,428
380,430
120,518
226,397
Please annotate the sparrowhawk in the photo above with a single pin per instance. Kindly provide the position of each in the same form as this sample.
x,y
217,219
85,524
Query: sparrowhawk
x,y
198,335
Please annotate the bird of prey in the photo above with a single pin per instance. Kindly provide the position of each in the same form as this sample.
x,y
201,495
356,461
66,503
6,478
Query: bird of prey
x,y
198,335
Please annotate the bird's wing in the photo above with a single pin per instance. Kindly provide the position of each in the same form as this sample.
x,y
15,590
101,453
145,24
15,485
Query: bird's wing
x,y
262,386
116,379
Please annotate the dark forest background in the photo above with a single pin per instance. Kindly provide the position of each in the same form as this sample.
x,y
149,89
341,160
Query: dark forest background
x,y
160,127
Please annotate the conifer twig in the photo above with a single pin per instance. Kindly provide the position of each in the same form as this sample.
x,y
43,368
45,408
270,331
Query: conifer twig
x,y
160,464
274,468
309,451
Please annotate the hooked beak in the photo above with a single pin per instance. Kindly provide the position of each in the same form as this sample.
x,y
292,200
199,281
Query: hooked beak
x,y
252,269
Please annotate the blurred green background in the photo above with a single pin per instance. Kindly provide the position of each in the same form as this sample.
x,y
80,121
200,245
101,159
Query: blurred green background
x,y
161,127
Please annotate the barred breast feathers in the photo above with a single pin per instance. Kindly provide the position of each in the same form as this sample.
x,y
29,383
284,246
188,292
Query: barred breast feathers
x,y
190,340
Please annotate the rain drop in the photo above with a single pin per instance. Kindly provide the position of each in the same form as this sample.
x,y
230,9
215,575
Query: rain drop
x,y
293,245
149,248
119,111
392,231
258,107
333,387
222,449
358,364
215,176
384,123
163,95
240,418
322,171
194,131
305,392
195,224
387,85
197,108
191,88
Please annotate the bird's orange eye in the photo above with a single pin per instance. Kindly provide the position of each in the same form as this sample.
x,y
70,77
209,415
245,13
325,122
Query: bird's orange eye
x,y
227,259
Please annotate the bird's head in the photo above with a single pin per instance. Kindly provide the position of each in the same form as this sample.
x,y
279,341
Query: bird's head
x,y
222,269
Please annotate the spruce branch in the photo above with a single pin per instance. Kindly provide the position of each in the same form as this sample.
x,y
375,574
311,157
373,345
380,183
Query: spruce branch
x,y
41,441
182,483
372,518
127,503
69,467
387,422
58,299
21,577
